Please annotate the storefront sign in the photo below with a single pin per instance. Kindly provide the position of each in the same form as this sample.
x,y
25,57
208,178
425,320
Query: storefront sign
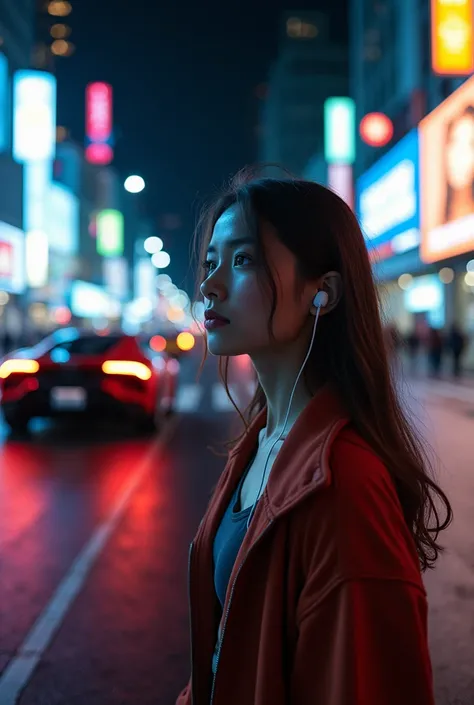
x,y
447,177
12,259
426,295
388,200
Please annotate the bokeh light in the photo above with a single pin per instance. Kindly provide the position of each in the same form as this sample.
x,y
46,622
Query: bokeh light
x,y
60,31
161,260
158,343
153,244
59,8
185,341
60,47
405,281
134,184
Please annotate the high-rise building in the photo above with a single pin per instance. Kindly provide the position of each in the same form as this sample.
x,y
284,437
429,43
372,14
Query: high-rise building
x,y
422,247
311,66
53,33
17,31
390,66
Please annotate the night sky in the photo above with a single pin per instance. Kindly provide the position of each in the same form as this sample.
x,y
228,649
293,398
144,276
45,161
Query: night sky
x,y
184,80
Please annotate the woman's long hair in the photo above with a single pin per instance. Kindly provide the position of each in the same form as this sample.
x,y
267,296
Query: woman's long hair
x,y
350,352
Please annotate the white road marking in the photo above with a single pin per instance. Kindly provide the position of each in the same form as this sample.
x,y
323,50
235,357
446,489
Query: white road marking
x,y
21,667
189,397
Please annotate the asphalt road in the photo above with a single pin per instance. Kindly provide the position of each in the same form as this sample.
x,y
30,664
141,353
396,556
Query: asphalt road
x,y
95,526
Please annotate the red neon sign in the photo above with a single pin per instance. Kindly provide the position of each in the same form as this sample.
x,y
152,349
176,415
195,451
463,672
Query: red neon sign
x,y
100,154
376,129
99,112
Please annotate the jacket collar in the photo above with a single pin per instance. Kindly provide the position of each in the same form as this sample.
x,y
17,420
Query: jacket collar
x,y
301,464
300,467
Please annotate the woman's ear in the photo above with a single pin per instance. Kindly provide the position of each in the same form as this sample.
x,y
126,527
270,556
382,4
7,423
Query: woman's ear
x,y
331,283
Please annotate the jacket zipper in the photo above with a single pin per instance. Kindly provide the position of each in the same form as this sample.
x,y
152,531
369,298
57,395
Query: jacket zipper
x,y
228,607
190,617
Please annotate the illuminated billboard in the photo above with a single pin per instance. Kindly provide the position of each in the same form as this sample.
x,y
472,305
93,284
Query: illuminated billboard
x,y
12,259
110,238
452,40
99,123
34,116
91,301
447,176
387,201
4,102
62,220
339,131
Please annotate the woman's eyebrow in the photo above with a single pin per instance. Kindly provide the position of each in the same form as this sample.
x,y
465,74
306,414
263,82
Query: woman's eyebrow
x,y
233,242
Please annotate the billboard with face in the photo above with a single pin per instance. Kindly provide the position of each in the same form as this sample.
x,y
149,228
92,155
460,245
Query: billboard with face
x,y
447,177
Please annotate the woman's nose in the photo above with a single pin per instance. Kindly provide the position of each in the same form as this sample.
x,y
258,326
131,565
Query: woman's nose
x,y
213,288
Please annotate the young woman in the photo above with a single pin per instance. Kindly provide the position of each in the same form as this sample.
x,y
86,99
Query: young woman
x,y
305,573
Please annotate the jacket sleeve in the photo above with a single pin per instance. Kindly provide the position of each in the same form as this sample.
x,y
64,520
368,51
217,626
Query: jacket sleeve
x,y
184,697
364,643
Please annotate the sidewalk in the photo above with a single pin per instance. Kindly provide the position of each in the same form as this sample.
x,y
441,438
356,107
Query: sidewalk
x,y
462,390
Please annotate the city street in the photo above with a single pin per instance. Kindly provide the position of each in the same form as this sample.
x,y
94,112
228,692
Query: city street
x,y
95,527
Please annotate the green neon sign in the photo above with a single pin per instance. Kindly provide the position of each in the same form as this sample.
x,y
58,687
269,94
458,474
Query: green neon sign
x,y
110,233
339,131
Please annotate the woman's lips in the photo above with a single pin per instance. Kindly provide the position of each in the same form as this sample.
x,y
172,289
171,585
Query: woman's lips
x,y
213,323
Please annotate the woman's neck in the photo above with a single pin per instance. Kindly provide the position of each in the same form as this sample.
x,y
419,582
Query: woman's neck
x,y
461,203
277,378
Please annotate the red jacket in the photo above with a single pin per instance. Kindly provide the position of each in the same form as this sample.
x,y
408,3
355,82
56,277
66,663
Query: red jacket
x,y
325,604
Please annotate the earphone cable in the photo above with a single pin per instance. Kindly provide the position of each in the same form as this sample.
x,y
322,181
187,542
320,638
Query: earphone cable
x,y
318,308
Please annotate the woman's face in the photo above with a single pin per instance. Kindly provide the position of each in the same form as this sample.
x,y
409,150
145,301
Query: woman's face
x,y
235,289
460,153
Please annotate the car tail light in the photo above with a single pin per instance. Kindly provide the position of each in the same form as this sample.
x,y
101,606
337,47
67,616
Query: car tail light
x,y
18,366
126,367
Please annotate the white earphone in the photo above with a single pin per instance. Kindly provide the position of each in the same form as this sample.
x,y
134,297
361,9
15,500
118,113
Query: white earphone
x,y
320,301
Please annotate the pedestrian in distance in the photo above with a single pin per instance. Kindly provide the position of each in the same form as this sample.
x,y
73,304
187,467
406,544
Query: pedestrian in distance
x,y
456,344
435,345
306,571
413,344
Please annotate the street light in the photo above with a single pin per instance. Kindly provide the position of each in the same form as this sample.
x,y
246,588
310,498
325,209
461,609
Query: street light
x,y
153,244
161,260
134,184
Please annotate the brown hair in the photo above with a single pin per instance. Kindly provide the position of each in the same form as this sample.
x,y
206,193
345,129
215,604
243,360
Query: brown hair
x,y
322,232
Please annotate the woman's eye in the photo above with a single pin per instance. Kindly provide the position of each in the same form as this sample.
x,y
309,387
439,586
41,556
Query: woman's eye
x,y
242,259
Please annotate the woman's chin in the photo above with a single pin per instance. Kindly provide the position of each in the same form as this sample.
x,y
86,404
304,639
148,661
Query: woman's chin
x,y
223,348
